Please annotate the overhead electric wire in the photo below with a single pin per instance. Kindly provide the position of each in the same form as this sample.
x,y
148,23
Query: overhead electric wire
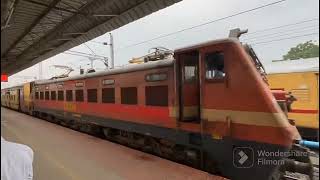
x,y
213,21
89,48
223,18
281,32
247,34
76,54
97,42
203,24
292,37
86,54
280,35
286,25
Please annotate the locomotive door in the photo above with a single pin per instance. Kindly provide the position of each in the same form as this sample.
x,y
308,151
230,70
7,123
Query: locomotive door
x,y
189,87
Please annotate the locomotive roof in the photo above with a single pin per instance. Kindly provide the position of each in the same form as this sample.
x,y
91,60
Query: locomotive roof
x,y
125,69
137,67
292,66
207,43
13,87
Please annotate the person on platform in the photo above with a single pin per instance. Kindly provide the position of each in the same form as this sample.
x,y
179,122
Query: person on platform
x,y
16,161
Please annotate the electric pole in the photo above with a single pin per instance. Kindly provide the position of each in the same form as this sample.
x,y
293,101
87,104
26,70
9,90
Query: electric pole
x,y
111,44
40,70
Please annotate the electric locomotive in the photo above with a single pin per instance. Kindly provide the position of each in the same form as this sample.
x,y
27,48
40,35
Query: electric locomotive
x,y
208,106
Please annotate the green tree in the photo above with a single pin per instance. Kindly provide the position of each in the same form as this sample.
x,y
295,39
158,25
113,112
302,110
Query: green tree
x,y
303,50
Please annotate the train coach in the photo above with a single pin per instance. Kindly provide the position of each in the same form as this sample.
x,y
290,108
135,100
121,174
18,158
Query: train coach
x,y
11,97
209,107
18,98
301,78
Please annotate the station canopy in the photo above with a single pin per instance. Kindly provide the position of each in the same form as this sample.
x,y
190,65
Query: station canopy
x,y
34,30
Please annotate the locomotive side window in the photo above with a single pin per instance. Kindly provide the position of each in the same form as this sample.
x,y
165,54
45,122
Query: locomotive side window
x,y
129,95
60,96
60,86
92,95
53,95
107,81
37,95
79,95
79,84
41,95
46,95
69,95
157,95
156,77
108,95
215,65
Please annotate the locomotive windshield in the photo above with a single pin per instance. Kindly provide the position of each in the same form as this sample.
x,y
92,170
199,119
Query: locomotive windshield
x,y
215,65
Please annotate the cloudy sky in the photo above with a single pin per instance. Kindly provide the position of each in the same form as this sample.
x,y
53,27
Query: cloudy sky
x,y
269,44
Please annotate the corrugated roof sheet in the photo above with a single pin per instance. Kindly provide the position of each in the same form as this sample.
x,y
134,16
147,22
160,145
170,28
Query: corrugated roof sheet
x,y
39,29
290,66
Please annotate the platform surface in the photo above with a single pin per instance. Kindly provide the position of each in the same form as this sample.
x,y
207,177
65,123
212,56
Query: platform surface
x,y
64,154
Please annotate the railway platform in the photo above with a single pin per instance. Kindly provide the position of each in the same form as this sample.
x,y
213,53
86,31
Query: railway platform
x,y
64,154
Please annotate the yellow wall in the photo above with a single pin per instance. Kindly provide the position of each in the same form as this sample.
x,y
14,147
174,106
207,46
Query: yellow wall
x,y
304,86
27,96
14,103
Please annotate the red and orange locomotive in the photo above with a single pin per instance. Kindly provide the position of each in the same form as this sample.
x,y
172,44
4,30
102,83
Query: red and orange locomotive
x,y
209,106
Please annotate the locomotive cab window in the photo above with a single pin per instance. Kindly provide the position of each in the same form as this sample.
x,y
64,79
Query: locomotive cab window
x,y
215,66
190,66
190,71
